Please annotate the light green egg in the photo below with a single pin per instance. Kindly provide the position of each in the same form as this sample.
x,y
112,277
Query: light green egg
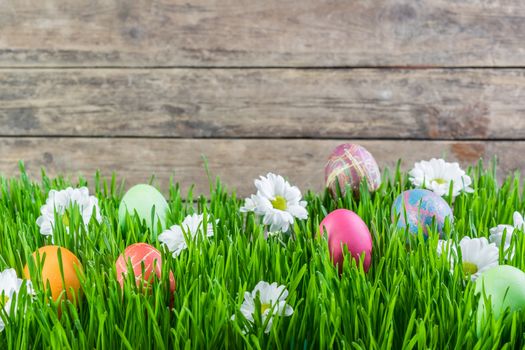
x,y
505,286
142,199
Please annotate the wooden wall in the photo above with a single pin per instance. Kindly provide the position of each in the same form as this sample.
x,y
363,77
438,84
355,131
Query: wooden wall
x,y
148,86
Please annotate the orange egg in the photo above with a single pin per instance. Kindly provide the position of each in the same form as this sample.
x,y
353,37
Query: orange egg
x,y
50,267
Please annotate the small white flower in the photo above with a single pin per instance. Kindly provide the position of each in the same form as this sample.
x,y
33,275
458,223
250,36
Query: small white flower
x,y
60,202
477,255
496,233
277,202
173,238
9,287
272,298
438,176
250,204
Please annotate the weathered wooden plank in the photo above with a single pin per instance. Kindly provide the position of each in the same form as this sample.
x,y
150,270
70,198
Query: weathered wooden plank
x,y
273,103
237,162
262,33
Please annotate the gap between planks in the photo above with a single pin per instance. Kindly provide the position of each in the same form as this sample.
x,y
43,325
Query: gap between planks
x,y
240,138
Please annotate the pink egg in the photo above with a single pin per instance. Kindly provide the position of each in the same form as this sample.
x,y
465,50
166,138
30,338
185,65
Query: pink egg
x,y
346,228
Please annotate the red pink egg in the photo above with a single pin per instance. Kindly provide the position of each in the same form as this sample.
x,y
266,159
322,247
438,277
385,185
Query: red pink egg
x,y
346,230
142,254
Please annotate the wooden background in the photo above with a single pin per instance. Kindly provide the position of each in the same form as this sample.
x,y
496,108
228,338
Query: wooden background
x,y
144,86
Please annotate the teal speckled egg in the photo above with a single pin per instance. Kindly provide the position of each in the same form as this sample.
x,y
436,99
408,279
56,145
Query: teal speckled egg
x,y
421,207
505,286
141,199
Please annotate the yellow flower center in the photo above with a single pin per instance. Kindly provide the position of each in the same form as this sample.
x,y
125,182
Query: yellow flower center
x,y
65,219
440,181
279,203
469,268
265,307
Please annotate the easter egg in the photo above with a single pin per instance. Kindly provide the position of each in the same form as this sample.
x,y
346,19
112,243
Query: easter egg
x,y
505,286
350,164
63,282
346,230
139,255
142,199
421,206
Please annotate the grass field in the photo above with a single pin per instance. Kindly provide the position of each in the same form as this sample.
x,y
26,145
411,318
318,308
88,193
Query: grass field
x,y
408,299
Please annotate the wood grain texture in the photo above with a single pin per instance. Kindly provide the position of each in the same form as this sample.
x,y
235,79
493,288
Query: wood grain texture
x,y
262,33
264,103
237,162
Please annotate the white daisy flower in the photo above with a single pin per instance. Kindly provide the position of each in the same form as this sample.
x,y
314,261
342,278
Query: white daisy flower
x,y
272,298
438,176
477,255
250,204
496,233
10,286
60,202
173,238
277,202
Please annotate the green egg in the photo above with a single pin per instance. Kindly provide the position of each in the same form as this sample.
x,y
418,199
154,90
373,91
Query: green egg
x,y
142,199
505,286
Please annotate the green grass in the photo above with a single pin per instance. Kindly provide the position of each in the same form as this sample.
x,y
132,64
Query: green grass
x,y
408,299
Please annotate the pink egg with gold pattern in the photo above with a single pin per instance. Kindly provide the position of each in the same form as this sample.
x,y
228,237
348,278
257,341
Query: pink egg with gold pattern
x,y
350,164
346,230
142,254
